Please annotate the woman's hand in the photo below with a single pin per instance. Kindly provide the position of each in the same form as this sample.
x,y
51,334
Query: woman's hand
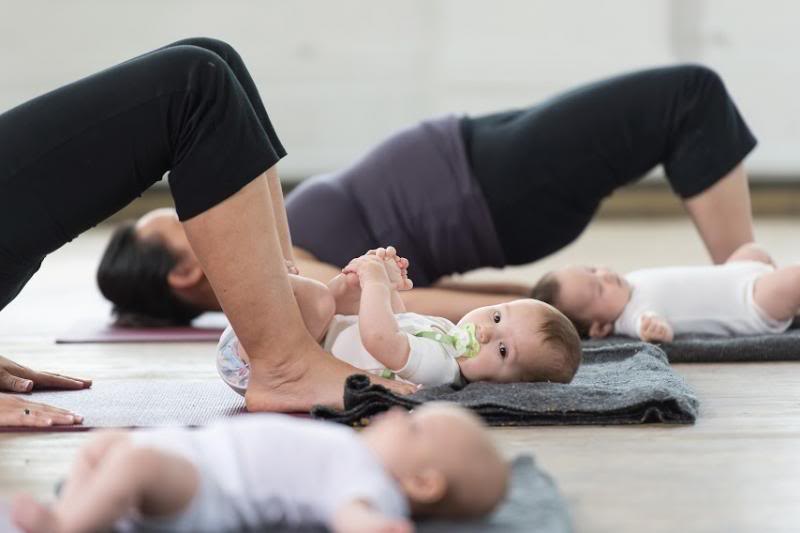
x,y
16,411
17,378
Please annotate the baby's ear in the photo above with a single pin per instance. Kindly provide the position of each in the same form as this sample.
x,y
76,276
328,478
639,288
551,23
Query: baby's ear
x,y
426,487
598,330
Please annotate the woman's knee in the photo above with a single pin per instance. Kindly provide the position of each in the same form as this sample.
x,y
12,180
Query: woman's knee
x,y
227,52
195,64
697,77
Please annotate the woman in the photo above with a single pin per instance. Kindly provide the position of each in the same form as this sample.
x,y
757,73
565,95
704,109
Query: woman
x,y
455,194
74,156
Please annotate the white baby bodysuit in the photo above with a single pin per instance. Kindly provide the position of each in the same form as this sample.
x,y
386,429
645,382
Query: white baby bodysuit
x,y
716,300
268,469
429,363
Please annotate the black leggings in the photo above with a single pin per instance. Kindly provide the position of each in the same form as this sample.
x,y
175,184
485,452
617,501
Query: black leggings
x,y
544,170
72,157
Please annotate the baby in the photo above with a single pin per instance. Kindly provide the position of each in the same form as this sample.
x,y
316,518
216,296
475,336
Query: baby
x,y
254,471
523,340
745,296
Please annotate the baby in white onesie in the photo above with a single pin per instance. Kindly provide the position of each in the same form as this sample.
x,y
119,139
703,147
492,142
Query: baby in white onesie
x,y
251,472
366,325
747,295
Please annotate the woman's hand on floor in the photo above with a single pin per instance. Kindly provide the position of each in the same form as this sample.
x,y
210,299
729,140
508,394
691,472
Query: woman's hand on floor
x,y
16,411
17,378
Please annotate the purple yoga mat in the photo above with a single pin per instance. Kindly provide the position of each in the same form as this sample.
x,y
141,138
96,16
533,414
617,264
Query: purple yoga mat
x,y
143,403
91,332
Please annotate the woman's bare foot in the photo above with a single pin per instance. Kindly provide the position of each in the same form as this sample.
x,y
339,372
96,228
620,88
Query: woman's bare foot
x,y
311,377
33,517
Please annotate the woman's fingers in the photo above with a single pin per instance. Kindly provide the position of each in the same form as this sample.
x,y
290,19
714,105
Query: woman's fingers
x,y
19,412
18,378
50,380
14,383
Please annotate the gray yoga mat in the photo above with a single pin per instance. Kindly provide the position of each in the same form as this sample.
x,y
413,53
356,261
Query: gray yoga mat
x,y
706,349
533,504
144,403
616,384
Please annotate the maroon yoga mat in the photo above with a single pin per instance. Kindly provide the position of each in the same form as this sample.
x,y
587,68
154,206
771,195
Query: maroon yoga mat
x,y
92,332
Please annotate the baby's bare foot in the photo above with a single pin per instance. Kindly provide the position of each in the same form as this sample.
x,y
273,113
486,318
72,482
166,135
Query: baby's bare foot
x,y
396,267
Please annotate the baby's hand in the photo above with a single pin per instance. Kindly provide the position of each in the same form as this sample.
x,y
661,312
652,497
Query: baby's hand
x,y
369,269
396,267
653,328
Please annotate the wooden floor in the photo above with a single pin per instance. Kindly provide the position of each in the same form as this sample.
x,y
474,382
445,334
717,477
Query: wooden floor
x,y
736,470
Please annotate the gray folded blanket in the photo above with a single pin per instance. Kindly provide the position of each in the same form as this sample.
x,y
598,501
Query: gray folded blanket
x,y
707,349
616,384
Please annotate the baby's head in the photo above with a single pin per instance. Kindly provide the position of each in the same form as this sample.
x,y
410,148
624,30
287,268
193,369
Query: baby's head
x,y
523,340
443,459
592,297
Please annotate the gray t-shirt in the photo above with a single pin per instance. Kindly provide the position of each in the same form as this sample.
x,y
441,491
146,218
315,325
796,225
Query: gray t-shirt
x,y
414,191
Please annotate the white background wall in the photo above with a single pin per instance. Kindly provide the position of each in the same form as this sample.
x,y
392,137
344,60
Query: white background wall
x,y
338,75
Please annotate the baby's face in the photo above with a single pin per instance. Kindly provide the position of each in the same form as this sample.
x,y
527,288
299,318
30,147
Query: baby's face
x,y
444,438
592,293
510,344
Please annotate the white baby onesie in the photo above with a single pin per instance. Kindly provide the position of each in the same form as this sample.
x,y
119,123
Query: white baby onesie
x,y
267,469
715,299
429,363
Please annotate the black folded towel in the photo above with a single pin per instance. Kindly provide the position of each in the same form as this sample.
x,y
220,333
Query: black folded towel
x,y
707,349
616,384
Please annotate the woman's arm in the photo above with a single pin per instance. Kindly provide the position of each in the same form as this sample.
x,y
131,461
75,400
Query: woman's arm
x,y
489,287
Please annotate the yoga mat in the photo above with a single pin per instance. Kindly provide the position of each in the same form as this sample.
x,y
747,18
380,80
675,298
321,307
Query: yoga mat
x,y
533,504
91,332
706,349
143,403
616,384
206,328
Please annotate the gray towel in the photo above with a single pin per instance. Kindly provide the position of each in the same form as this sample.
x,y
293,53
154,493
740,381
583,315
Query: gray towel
x,y
707,349
616,384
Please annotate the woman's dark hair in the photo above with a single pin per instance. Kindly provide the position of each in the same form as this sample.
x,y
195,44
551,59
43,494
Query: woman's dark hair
x,y
133,276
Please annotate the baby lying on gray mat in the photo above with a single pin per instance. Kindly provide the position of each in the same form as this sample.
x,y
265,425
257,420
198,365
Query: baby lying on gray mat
x,y
747,295
520,341
257,471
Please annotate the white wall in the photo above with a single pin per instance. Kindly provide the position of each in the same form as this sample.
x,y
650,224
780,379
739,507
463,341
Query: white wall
x,y
338,75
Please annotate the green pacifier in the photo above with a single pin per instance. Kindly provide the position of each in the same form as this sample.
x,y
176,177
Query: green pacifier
x,y
461,338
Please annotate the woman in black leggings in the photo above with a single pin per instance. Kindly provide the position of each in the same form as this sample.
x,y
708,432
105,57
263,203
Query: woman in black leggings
x,y
458,193
74,156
